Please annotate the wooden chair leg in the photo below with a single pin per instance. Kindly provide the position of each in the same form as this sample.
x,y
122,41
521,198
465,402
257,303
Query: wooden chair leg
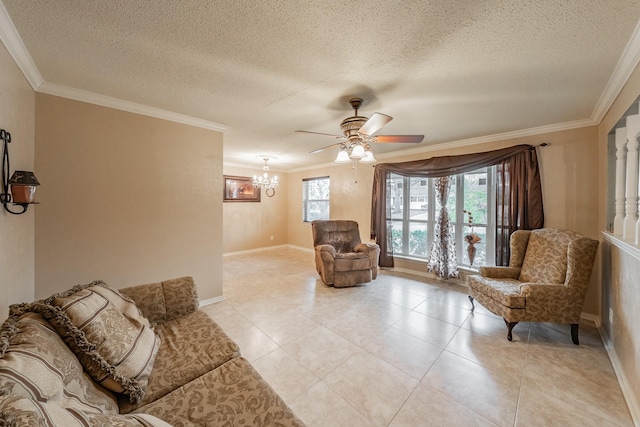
x,y
510,326
574,333
473,307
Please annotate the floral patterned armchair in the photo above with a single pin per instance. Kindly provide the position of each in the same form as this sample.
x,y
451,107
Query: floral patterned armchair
x,y
546,280
341,259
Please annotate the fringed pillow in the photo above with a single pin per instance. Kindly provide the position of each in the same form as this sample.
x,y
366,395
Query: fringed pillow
x,y
110,337
22,412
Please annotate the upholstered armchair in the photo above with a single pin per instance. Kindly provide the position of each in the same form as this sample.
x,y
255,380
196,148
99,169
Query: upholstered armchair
x,y
546,280
341,259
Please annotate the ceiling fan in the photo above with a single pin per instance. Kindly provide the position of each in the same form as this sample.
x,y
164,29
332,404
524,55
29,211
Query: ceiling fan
x,y
358,134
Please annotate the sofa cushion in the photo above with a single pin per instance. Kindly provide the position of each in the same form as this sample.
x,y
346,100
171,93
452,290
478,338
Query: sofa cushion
x,y
233,394
86,319
190,346
20,411
165,300
36,364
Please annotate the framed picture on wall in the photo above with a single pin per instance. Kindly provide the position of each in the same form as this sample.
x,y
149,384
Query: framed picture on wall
x,y
240,189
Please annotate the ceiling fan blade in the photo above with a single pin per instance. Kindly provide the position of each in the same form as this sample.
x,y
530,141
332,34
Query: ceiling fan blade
x,y
320,133
399,138
324,148
374,123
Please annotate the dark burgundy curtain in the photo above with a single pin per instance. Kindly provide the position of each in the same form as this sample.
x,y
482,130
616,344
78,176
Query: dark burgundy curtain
x,y
518,205
518,200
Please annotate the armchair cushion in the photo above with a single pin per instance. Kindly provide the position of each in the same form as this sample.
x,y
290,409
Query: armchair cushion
x,y
342,246
352,261
505,291
545,260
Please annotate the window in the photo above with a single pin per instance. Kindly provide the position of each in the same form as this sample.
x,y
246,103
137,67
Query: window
x,y
315,198
414,211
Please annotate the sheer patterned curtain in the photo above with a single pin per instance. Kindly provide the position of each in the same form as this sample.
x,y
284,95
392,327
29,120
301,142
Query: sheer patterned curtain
x,y
518,201
442,260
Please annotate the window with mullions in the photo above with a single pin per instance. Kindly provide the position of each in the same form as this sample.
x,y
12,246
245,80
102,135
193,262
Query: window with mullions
x,y
315,198
414,211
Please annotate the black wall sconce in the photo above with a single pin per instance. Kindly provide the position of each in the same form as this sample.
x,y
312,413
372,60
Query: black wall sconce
x,y
23,183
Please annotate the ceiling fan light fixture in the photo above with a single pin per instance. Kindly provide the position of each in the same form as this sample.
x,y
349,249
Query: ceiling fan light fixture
x,y
357,152
368,157
357,134
343,157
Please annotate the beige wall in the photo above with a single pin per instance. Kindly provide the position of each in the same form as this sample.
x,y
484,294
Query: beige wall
x,y
350,198
620,290
250,225
125,198
569,182
17,116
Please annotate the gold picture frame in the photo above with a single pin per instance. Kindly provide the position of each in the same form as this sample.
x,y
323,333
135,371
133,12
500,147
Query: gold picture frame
x,y
239,189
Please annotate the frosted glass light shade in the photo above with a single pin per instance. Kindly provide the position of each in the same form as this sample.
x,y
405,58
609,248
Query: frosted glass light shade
x,y
343,157
357,152
368,157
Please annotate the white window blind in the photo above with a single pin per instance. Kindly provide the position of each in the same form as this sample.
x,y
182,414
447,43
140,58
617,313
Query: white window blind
x,y
315,198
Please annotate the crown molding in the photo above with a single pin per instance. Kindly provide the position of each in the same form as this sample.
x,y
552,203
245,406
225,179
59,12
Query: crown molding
x,y
492,138
252,166
318,166
18,51
626,64
132,107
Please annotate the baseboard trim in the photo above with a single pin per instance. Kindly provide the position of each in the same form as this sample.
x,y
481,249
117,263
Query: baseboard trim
x,y
633,401
593,318
424,274
302,248
210,301
268,248
248,251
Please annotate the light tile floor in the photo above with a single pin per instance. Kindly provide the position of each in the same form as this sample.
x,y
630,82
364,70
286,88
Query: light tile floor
x,y
405,351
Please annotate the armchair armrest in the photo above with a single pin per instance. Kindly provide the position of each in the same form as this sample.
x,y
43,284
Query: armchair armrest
x,y
365,247
500,272
543,290
167,300
326,248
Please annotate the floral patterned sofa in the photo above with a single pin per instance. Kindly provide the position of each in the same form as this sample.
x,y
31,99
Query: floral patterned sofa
x,y
140,356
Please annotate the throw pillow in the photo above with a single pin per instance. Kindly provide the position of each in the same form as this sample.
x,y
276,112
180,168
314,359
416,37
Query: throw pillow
x,y
116,348
19,411
122,302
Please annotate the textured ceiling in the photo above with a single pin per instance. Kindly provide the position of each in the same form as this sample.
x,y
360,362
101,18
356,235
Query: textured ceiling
x,y
450,70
